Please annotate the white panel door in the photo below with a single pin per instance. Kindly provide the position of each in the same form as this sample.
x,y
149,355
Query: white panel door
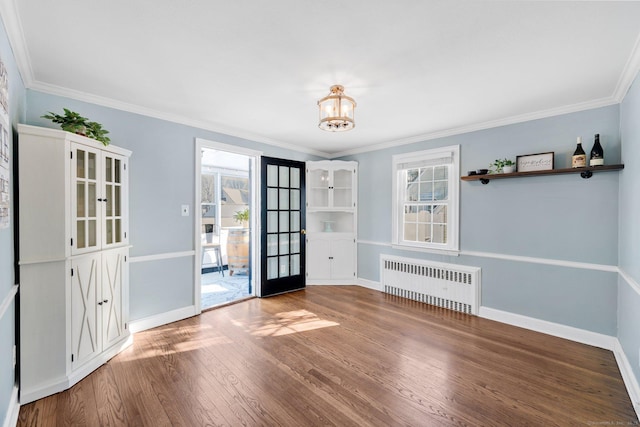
x,y
112,296
318,264
342,259
85,311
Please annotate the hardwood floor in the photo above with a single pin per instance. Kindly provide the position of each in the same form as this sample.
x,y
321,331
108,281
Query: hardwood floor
x,y
343,356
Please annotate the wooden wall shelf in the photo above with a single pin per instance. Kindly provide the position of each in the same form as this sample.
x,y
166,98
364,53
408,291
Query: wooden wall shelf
x,y
586,172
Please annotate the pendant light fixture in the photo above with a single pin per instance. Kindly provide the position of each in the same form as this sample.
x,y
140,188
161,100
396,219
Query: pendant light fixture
x,y
336,111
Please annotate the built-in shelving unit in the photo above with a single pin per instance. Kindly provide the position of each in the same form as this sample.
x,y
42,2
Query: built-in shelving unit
x,y
586,172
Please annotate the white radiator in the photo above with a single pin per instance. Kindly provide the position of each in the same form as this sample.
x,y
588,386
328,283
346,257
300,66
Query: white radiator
x,y
452,286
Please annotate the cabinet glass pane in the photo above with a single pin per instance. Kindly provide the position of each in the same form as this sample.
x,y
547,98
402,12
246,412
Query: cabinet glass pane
x,y
284,266
284,221
80,200
319,178
284,199
80,234
272,268
342,179
295,265
91,199
319,197
295,178
272,198
284,244
295,200
284,176
93,233
295,221
116,200
109,236
80,172
272,222
118,234
117,170
342,197
294,241
272,244
272,176
107,169
109,197
92,166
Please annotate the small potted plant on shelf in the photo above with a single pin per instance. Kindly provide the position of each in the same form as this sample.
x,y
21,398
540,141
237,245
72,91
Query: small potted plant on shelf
x,y
503,166
75,123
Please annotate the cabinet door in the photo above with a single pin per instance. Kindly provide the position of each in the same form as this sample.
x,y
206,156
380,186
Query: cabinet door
x,y
343,263
341,195
317,188
113,292
114,200
318,258
85,311
86,208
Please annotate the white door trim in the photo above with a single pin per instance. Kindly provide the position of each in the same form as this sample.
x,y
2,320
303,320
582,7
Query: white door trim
x,y
254,157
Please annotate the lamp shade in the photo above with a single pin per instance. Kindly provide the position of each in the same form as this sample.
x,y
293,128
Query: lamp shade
x,y
337,111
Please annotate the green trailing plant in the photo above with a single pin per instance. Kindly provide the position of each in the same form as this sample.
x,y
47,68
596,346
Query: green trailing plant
x,y
498,164
241,216
75,123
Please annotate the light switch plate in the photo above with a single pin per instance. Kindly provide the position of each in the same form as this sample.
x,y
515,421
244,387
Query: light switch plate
x,y
185,210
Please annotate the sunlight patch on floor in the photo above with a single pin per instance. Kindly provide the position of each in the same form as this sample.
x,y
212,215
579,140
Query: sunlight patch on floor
x,y
209,289
290,322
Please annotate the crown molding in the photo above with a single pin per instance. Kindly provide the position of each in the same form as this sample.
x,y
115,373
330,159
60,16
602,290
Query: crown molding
x,y
174,118
573,108
13,27
629,73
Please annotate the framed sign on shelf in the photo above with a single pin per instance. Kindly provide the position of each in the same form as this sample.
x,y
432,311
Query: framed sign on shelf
x,y
535,162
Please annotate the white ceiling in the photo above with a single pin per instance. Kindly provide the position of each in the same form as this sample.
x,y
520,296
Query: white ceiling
x,y
417,69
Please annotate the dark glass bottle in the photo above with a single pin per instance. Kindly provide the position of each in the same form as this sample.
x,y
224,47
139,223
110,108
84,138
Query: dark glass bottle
x,y
579,158
597,154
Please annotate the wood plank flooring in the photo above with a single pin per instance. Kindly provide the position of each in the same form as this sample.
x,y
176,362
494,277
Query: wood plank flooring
x,y
343,356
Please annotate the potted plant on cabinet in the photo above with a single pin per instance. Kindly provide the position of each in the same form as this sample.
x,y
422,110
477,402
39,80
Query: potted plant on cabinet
x,y
503,166
75,123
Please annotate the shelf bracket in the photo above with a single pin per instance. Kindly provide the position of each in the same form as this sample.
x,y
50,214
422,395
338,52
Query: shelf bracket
x,y
485,181
586,174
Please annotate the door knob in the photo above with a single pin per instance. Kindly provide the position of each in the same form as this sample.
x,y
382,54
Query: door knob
x,y
303,231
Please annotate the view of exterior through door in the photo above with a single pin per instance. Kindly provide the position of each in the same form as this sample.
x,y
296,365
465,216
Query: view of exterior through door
x,y
225,236
282,254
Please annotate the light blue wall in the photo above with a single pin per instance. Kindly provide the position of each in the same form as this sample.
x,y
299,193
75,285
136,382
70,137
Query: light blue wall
x,y
629,293
162,175
7,279
562,217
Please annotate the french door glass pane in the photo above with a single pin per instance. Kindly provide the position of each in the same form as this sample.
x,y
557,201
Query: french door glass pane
x,y
272,244
272,176
295,221
295,198
295,178
284,221
272,198
284,176
284,199
272,268
272,222
284,244
295,264
284,266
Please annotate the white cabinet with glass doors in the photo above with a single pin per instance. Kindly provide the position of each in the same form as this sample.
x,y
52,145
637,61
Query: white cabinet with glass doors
x,y
331,221
74,245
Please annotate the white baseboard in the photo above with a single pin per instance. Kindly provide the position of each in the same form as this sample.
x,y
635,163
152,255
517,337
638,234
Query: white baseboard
x,y
630,381
557,330
162,319
11,420
370,284
329,282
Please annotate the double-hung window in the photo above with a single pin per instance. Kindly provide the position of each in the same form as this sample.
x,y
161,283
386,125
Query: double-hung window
x,y
426,198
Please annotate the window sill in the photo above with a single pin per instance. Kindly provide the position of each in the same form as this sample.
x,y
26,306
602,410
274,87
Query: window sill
x,y
447,252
